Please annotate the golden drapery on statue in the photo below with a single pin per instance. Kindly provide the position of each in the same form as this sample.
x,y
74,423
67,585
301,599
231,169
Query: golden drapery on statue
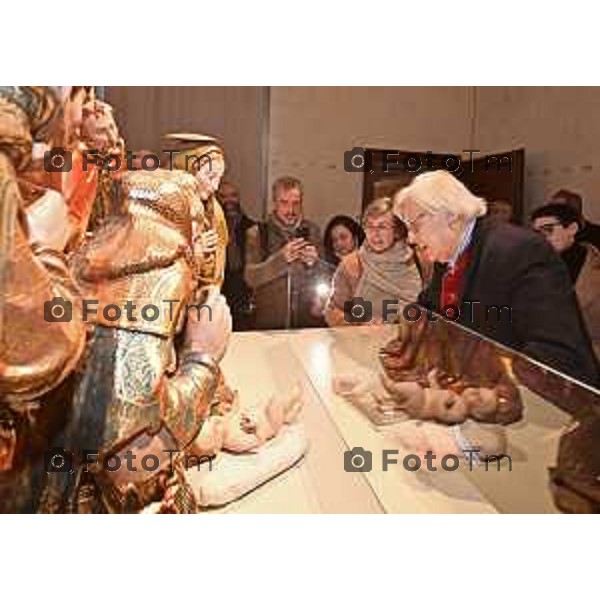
x,y
36,357
138,381
73,376
30,276
131,380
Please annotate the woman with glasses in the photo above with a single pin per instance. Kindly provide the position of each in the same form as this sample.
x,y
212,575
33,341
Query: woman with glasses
x,y
382,269
559,224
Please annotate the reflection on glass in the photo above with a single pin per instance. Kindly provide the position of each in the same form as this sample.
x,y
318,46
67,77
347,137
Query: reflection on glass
x,y
443,386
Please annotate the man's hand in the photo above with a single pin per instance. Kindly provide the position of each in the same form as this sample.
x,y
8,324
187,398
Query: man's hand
x,y
309,255
292,251
208,331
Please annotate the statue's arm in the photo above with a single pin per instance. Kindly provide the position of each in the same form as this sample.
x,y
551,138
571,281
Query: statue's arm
x,y
188,395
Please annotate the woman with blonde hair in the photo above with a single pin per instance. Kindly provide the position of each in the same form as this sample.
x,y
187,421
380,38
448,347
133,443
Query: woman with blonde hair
x,y
383,268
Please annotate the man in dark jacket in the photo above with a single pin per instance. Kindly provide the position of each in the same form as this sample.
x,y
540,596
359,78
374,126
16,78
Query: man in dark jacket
x,y
559,224
235,289
588,232
507,281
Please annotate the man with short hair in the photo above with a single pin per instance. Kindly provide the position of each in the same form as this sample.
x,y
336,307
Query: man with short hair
x,y
500,265
282,261
588,232
559,224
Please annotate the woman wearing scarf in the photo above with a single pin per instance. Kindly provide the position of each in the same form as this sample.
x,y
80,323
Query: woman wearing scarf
x,y
383,268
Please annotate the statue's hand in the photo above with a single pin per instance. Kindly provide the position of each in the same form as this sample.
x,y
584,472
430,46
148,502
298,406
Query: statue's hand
x,y
99,130
206,242
351,385
208,331
241,432
48,221
210,439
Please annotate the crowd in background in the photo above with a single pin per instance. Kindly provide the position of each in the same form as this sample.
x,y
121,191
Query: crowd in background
x,y
282,274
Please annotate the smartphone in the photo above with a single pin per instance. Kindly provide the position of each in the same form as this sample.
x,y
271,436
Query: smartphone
x,y
302,232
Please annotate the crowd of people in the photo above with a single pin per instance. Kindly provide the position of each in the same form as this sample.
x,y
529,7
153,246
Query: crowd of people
x,y
435,244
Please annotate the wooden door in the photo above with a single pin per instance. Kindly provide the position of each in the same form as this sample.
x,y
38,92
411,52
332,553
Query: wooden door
x,y
496,177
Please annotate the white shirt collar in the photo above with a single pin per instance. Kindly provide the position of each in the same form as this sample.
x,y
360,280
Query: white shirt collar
x,y
464,242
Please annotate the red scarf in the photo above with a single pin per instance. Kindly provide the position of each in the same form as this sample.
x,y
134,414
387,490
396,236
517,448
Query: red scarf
x,y
453,280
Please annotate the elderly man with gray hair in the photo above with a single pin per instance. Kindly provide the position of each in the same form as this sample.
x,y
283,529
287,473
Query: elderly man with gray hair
x,y
503,281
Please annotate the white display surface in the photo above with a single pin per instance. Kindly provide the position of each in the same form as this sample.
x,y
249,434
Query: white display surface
x,y
264,363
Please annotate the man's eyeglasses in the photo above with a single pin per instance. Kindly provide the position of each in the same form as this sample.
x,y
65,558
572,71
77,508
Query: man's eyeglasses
x,y
414,224
547,228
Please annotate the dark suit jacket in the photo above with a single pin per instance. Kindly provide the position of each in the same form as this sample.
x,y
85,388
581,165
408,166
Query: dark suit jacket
x,y
590,234
514,267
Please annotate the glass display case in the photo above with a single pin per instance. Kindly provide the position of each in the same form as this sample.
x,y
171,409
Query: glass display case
x,y
367,455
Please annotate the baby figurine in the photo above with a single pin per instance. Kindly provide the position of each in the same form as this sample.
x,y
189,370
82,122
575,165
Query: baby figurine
x,y
438,371
245,427
449,404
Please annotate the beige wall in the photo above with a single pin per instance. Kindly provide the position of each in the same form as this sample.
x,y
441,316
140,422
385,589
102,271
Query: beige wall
x,y
304,131
236,115
558,127
311,127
